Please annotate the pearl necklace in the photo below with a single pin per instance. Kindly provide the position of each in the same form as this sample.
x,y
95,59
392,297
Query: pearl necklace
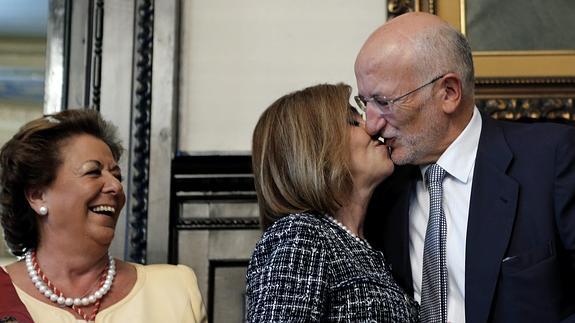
x,y
45,286
346,229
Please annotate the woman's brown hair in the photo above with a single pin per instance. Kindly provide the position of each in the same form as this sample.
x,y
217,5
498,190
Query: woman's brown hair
x,y
300,153
31,159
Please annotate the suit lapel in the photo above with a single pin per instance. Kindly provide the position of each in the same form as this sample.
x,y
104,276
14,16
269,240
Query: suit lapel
x,y
491,215
396,224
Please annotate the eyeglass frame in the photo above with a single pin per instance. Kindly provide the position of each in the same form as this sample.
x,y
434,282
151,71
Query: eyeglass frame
x,y
362,102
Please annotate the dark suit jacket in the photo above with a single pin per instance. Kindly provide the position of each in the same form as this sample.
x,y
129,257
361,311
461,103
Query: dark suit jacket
x,y
520,249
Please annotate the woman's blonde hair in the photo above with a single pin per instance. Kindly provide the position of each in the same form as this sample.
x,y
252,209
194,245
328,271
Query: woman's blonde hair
x,y
300,153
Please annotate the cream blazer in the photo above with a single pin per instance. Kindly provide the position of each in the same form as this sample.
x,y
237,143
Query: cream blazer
x,y
162,293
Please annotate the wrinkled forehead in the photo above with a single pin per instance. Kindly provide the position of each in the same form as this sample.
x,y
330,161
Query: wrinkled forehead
x,y
381,70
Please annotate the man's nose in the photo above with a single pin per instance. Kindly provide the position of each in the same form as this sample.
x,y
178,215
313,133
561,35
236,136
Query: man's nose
x,y
375,121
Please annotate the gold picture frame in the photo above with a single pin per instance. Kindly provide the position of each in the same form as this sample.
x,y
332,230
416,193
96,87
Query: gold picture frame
x,y
510,84
558,64
511,64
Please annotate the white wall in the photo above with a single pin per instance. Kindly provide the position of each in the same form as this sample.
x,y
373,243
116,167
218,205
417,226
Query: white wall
x,y
237,57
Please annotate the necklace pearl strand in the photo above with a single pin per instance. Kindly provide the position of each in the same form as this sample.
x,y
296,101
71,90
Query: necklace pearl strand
x,y
346,229
46,288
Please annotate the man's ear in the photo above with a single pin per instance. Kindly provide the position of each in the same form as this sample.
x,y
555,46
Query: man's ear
x,y
36,198
452,94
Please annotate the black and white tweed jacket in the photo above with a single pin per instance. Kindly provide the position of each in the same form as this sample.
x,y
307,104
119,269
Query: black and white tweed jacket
x,y
308,269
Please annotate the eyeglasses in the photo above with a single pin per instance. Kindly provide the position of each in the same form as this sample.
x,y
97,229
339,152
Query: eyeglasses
x,y
384,104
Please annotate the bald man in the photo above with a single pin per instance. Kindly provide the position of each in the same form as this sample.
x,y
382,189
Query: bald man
x,y
501,242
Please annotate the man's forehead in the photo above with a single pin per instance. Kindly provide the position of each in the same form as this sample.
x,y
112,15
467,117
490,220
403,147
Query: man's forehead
x,y
386,81
386,65
375,84
387,51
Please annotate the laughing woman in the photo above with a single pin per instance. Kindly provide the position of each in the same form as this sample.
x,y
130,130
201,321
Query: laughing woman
x,y
315,170
60,201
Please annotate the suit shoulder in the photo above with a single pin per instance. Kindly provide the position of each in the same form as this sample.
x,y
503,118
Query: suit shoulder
x,y
533,139
543,130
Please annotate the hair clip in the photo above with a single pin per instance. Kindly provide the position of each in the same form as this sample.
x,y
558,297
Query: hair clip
x,y
51,119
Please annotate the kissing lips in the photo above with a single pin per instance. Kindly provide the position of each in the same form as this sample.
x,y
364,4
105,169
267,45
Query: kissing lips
x,y
389,142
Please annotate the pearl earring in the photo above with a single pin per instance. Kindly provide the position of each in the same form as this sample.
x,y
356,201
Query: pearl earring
x,y
43,210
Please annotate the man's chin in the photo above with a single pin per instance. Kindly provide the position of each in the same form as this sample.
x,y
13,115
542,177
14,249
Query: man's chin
x,y
399,158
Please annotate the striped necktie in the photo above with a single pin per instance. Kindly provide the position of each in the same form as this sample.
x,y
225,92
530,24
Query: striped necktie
x,y
434,279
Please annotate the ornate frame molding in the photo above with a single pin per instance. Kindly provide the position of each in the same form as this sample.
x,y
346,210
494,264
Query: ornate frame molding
x,y
528,108
220,223
57,56
96,54
141,120
74,55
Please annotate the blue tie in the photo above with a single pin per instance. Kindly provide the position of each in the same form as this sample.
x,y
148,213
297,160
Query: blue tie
x,y
434,280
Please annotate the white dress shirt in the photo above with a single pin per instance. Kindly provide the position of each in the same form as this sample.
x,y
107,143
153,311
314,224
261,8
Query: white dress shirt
x,y
458,160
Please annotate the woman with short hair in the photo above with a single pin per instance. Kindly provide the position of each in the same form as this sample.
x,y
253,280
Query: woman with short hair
x,y
61,196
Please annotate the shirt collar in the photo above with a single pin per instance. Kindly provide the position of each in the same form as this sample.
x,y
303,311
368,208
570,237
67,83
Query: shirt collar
x,y
458,159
